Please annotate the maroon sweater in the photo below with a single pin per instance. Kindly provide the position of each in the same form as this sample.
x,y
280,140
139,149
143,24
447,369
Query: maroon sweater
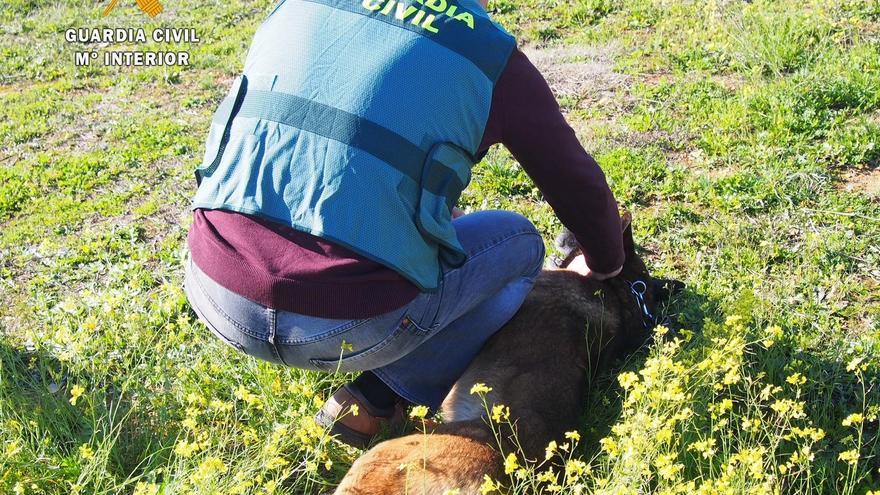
x,y
286,269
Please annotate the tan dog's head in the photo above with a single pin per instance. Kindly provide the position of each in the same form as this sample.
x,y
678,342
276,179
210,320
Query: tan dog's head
x,y
639,296
642,296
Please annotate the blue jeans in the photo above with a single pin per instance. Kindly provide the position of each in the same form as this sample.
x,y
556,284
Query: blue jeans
x,y
419,350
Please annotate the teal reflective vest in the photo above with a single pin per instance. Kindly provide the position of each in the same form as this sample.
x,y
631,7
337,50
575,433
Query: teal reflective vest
x,y
359,122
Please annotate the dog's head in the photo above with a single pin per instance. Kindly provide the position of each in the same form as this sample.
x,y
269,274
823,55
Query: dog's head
x,y
640,297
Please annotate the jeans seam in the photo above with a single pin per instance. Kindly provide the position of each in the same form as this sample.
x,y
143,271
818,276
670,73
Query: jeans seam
x,y
426,329
273,329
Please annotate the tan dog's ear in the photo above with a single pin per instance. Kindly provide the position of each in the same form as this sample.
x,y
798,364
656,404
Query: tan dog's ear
x,y
629,245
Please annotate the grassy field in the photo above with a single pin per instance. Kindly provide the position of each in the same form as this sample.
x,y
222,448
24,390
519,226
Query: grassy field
x,y
743,136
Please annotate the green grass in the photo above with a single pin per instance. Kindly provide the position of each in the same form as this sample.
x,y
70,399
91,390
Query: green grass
x,y
731,134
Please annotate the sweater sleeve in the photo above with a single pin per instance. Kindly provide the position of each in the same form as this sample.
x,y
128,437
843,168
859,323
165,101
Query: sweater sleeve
x,y
533,128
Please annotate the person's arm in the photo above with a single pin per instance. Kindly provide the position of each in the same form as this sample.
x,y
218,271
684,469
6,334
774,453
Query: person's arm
x,y
536,133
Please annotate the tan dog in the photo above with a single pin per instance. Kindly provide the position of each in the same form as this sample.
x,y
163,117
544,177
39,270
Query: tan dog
x,y
538,364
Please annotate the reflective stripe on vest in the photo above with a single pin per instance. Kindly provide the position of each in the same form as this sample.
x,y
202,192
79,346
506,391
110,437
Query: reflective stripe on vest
x,y
346,128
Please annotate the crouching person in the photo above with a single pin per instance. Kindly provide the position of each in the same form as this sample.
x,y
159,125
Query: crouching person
x,y
324,234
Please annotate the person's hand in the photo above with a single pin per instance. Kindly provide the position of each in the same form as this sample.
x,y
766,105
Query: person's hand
x,y
579,265
456,212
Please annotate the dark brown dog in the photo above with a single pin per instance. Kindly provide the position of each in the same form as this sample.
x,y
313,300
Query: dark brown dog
x,y
538,365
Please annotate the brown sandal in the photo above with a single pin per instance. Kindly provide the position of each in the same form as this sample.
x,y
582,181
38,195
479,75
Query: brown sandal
x,y
361,425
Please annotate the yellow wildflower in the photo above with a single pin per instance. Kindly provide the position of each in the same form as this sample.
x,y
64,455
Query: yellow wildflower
x,y
576,468
853,419
666,466
186,449
249,436
547,476
243,482
301,389
510,463
856,365
774,333
355,410
419,412
328,464
90,323
816,434
802,456
276,462
309,432
704,447
664,435
627,380
220,405
849,456
731,376
249,398
789,408
75,393
751,424
86,452
684,414
796,379
489,485
751,459
550,449
480,388
573,435
610,446
270,486
12,448
500,412
767,391
210,467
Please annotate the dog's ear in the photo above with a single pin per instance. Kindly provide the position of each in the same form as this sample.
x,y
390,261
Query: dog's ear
x,y
629,245
567,246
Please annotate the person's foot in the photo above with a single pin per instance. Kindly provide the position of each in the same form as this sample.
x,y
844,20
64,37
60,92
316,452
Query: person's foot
x,y
360,425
